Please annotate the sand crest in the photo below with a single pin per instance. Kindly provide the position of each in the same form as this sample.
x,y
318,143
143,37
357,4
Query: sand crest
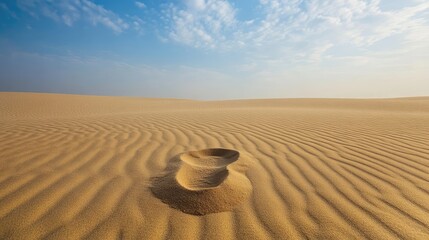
x,y
204,181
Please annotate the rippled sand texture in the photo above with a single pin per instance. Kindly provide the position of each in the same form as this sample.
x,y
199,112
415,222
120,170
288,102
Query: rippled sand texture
x,y
83,167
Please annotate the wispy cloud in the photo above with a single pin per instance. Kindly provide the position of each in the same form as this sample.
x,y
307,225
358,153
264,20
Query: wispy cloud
x,y
140,4
5,8
137,24
299,27
200,23
361,22
69,12
303,26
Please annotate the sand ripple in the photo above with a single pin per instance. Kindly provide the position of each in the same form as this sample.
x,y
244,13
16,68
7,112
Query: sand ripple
x,y
76,167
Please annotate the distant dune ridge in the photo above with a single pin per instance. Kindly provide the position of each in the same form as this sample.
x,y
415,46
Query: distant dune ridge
x,y
74,167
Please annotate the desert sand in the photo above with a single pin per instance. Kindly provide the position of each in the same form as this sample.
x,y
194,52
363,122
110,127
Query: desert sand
x,y
88,167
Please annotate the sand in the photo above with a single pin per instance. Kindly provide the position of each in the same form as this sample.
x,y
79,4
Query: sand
x,y
75,167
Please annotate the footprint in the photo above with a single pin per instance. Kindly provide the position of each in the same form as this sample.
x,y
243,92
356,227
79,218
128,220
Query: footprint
x,y
204,181
205,169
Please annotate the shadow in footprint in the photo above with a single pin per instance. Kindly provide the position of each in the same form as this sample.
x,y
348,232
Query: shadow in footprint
x,y
203,182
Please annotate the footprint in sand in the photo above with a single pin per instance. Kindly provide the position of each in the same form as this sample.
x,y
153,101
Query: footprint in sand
x,y
206,181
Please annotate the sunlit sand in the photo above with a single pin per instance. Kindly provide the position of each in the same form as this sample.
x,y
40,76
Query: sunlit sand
x,y
76,167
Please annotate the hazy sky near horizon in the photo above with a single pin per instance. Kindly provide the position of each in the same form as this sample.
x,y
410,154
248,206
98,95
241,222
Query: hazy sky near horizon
x,y
216,49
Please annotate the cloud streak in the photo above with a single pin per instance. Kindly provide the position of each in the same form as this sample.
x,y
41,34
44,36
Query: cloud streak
x,y
292,24
200,23
69,12
298,27
5,8
140,4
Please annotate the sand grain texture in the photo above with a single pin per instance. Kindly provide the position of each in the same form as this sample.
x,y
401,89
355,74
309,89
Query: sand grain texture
x,y
86,167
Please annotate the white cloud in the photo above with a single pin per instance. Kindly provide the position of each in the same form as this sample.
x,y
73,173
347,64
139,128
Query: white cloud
x,y
383,24
140,4
137,24
330,21
200,23
70,11
300,28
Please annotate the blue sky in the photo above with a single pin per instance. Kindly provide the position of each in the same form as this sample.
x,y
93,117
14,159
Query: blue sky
x,y
216,49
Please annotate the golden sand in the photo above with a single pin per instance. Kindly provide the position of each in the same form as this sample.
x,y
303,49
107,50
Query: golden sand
x,y
205,181
75,167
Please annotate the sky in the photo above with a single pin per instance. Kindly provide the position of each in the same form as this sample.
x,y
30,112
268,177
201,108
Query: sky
x,y
216,49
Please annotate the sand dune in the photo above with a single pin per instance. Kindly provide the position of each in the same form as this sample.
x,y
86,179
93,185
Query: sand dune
x,y
75,167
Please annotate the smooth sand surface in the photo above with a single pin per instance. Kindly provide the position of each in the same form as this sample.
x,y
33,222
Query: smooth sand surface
x,y
75,167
